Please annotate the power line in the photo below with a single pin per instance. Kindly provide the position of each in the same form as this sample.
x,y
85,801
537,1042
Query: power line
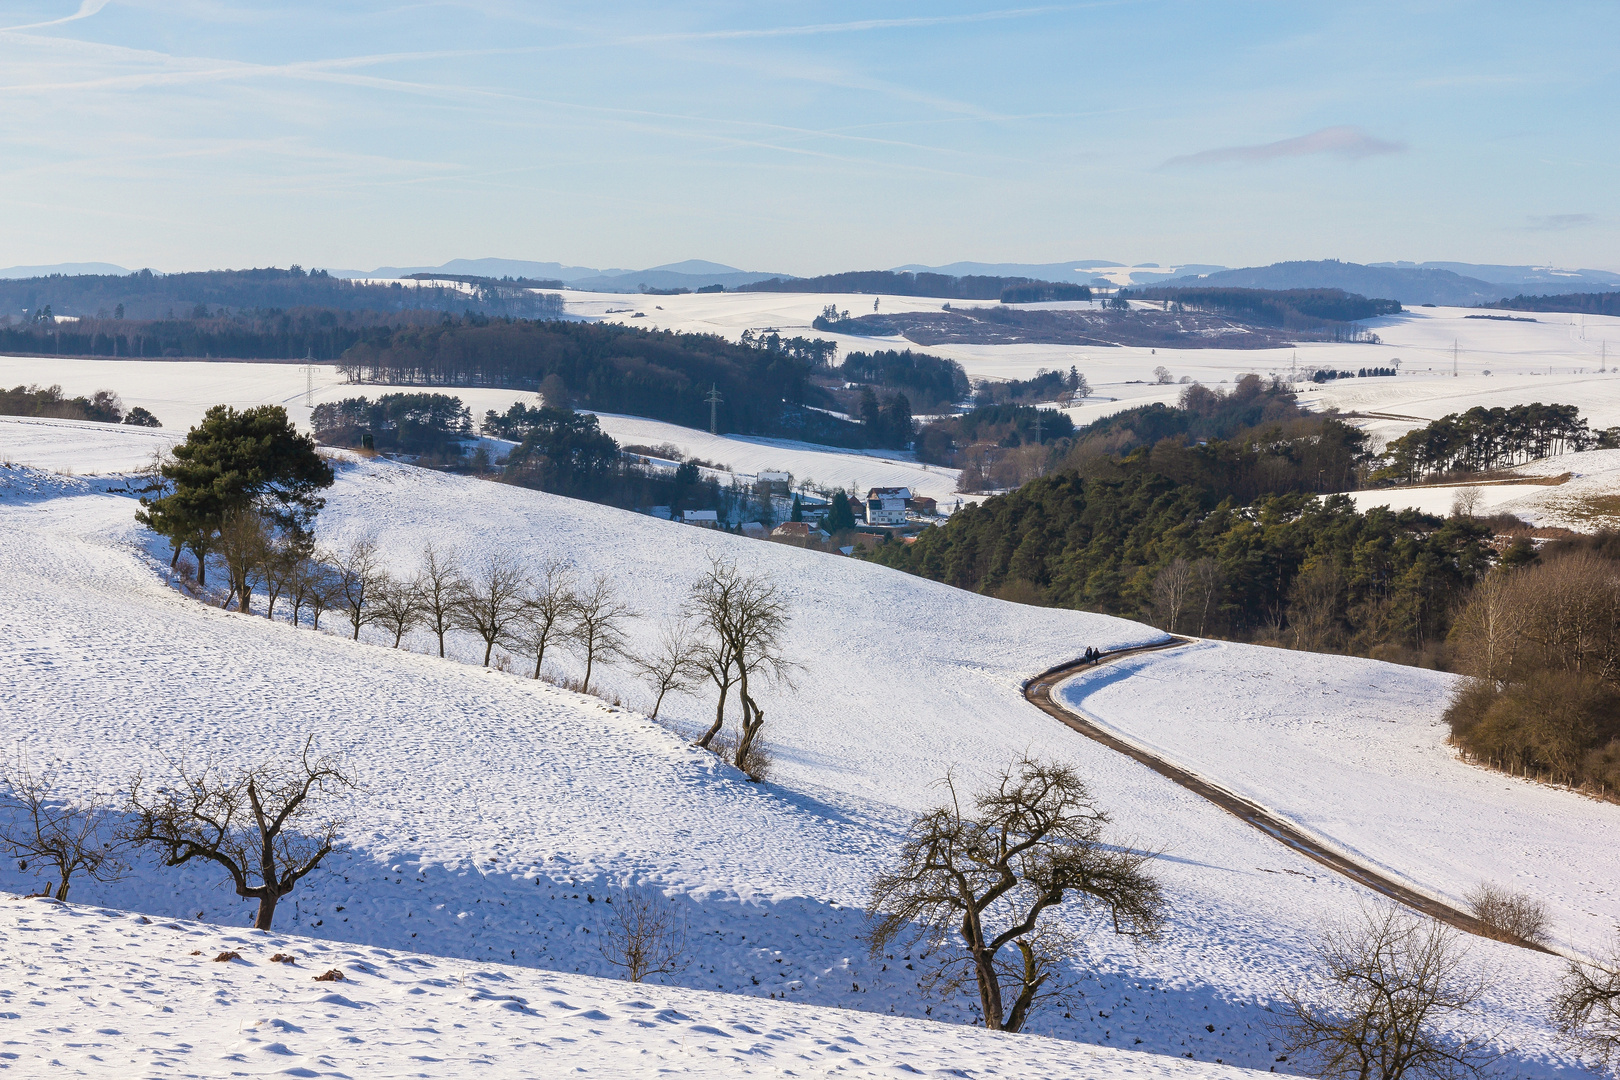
x,y
714,400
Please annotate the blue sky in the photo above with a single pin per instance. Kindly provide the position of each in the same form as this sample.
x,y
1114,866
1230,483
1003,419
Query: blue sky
x,y
805,138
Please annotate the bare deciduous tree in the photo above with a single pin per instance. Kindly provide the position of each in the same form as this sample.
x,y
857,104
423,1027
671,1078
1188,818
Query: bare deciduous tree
x,y
438,584
357,573
283,561
1586,1009
745,617
73,836
396,607
645,935
971,882
547,614
598,623
1391,978
263,825
1314,602
1208,580
1171,588
323,590
490,603
243,543
673,664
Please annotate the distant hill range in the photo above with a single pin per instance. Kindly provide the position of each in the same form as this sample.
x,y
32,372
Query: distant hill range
x,y
1451,283
692,274
1456,284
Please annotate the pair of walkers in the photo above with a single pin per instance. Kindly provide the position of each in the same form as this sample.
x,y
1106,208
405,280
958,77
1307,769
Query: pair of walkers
x,y
1092,655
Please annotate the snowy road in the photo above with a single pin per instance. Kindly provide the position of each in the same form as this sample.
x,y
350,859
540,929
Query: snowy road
x,y
1039,693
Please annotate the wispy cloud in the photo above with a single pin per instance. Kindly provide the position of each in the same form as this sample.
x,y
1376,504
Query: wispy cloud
x,y
87,8
1340,141
1560,222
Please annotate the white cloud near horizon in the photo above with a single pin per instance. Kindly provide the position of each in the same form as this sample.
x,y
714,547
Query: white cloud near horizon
x,y
1340,141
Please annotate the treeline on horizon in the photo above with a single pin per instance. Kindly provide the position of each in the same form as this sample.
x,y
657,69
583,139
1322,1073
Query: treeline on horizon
x,y
944,286
1288,309
146,295
1600,303
291,334
606,367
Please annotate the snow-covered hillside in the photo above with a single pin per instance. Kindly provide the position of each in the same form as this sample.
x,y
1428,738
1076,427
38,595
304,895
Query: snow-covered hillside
x,y
122,996
1354,752
502,812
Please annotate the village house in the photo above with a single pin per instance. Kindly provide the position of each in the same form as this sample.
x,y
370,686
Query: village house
x,y
887,506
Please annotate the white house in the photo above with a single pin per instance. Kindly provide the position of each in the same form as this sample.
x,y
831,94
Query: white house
x,y
887,506
706,518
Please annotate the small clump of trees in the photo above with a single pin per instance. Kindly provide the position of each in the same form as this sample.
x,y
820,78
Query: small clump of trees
x,y
240,478
978,884
1541,648
102,406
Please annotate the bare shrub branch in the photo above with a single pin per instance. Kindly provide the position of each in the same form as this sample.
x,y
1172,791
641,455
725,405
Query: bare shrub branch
x,y
1586,1010
645,936
1508,916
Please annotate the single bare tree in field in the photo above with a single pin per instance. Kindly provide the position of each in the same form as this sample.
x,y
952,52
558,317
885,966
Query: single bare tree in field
x,y
397,608
645,935
674,663
598,624
490,603
547,615
263,825
357,573
1171,589
438,584
1391,978
973,882
73,836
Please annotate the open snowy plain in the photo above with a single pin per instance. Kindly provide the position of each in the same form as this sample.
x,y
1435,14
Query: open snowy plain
x,y
501,813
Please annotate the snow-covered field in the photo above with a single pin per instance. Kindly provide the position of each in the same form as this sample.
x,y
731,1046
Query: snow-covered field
x,y
502,813
1586,498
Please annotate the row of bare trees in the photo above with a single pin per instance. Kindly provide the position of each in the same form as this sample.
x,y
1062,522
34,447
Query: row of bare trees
x,y
267,826
728,636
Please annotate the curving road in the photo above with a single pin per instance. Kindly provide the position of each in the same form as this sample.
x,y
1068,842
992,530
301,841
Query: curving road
x,y
1038,691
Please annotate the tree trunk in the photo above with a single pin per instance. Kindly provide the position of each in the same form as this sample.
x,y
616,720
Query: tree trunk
x,y
719,717
489,647
590,655
267,911
440,632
